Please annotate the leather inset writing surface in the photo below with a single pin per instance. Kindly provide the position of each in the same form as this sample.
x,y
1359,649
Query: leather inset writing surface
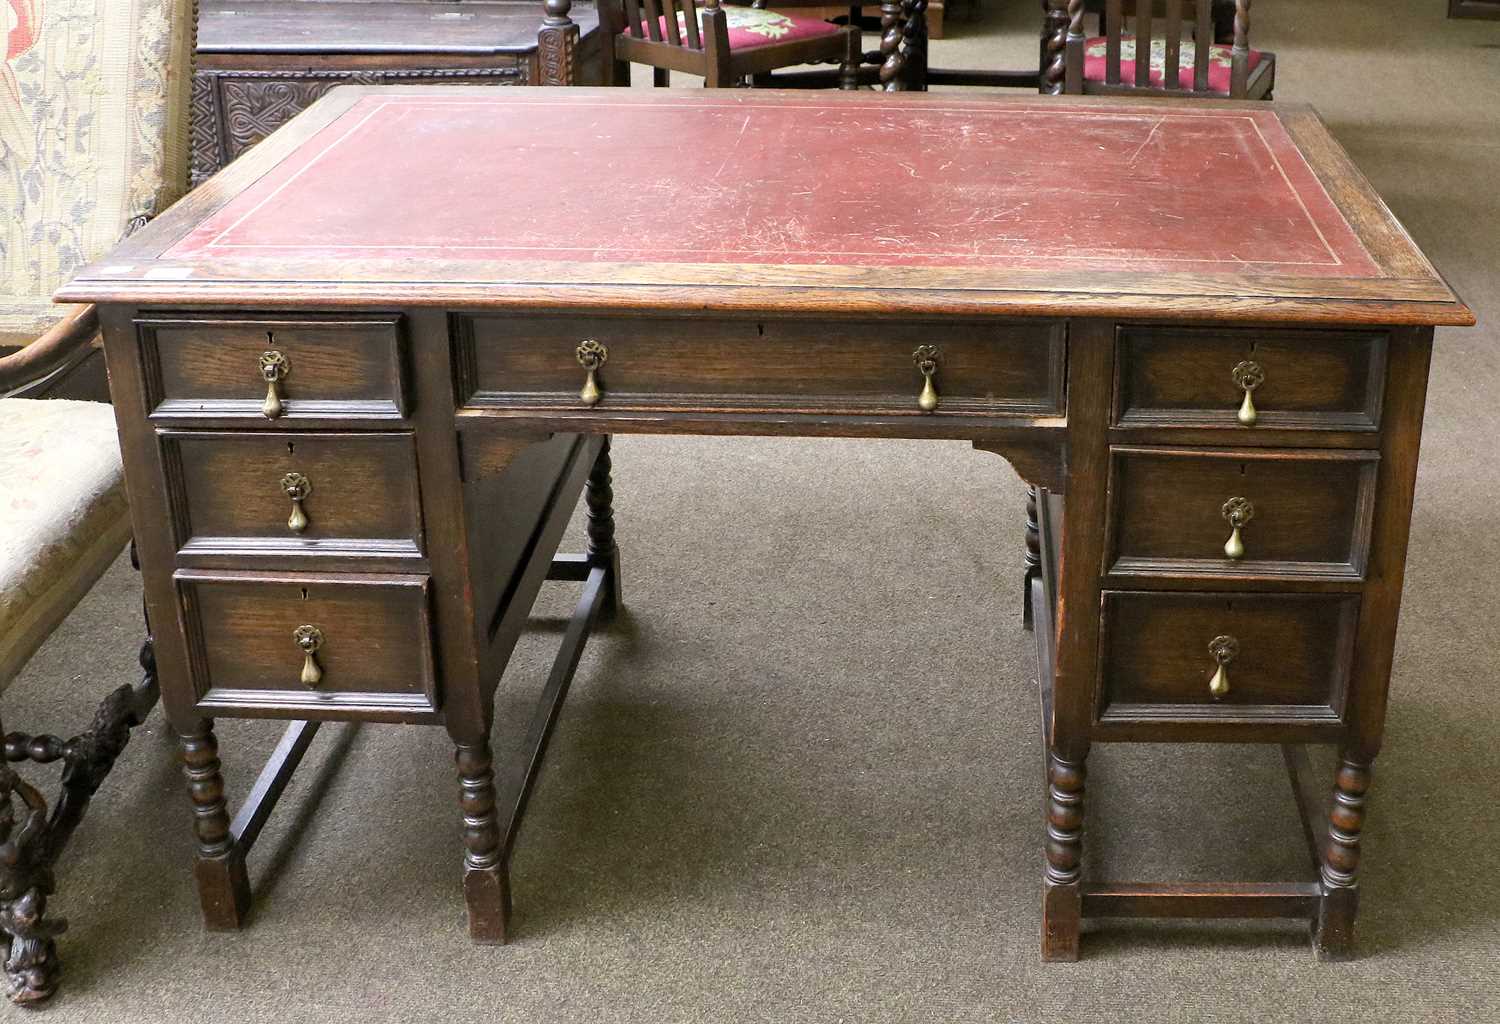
x,y
1015,186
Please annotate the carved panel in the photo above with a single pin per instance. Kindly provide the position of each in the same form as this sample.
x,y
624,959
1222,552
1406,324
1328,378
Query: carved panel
x,y
556,46
233,110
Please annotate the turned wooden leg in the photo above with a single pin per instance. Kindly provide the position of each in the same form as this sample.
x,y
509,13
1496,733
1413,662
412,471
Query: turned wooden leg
x,y
599,497
223,883
1033,558
853,57
1062,885
486,880
1333,932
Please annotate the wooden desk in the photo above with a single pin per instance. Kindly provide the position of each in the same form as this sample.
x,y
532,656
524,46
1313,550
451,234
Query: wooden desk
x,y
1086,285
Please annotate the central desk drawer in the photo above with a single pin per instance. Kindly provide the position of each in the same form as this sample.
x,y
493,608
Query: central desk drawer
x,y
1286,657
337,645
208,367
1301,513
994,368
232,493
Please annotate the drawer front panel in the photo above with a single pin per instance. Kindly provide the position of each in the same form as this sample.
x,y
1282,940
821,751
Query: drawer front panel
x,y
374,655
982,368
1184,376
1288,656
229,493
346,368
1303,514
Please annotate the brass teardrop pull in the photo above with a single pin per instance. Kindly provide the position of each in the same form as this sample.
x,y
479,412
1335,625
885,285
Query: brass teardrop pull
x,y
274,368
591,356
297,487
1248,376
1237,512
925,359
309,639
1223,649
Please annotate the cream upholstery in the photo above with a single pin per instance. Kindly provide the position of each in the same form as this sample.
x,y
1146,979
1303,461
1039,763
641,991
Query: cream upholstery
x,y
93,136
63,516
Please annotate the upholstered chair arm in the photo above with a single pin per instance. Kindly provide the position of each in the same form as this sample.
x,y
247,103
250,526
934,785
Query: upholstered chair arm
x,y
65,342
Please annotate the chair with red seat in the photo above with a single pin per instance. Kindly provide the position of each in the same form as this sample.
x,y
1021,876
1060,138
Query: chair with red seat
x,y
1195,66
724,44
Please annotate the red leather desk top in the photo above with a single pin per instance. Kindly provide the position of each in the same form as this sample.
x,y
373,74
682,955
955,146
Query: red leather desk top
x,y
699,189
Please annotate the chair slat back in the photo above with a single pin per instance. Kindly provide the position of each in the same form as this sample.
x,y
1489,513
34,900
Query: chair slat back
x,y
1203,38
674,22
1172,45
1142,25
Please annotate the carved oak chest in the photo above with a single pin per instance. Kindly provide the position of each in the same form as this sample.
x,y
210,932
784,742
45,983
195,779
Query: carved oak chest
x,y
260,62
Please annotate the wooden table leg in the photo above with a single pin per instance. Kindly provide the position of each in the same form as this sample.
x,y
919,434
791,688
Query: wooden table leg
x,y
223,882
1090,373
599,496
486,878
1033,557
1333,931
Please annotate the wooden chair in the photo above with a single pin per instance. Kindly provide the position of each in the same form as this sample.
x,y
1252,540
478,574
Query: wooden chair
x,y
725,44
1197,66
93,128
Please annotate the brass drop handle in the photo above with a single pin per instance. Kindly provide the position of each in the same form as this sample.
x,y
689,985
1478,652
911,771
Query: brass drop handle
x,y
1248,376
297,487
1237,512
309,639
926,360
591,356
1223,649
274,368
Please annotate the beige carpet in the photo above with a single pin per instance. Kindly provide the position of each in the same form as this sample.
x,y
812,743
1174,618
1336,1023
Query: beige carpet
x,y
800,781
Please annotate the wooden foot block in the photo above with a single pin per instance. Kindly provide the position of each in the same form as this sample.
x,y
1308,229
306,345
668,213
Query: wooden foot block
x,y
487,892
223,891
1333,930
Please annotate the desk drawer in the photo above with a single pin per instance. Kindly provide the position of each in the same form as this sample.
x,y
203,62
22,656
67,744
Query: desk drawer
x,y
1308,379
371,640
1302,513
989,368
325,368
1286,657
231,493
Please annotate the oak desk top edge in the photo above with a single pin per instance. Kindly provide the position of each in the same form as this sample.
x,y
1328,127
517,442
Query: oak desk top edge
x,y
1406,290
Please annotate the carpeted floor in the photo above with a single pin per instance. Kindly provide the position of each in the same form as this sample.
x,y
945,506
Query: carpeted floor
x,y
801,780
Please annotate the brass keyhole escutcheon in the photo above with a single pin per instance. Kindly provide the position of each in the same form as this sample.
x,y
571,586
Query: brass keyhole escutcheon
x,y
1248,376
1237,512
925,358
274,368
309,639
591,356
297,487
1223,649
